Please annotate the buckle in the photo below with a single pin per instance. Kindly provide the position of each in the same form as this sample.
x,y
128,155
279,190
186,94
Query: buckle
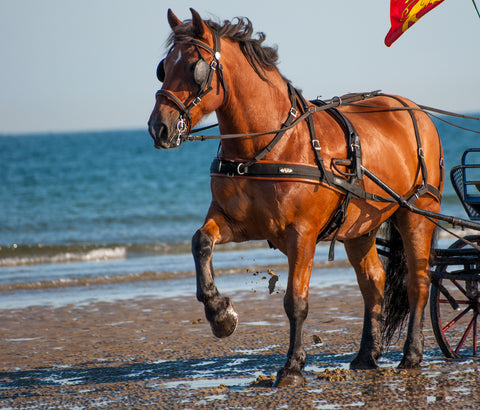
x,y
196,100
240,172
181,126
293,112
316,145
336,101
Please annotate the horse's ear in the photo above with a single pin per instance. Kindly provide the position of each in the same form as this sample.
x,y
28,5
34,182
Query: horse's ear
x,y
198,24
173,19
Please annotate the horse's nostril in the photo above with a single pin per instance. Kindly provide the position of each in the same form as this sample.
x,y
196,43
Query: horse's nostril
x,y
159,133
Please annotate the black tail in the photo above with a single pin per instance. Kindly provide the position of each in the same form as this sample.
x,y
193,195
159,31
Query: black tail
x,y
395,303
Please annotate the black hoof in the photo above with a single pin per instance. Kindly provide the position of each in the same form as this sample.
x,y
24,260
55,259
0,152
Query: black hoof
x,y
366,363
223,317
409,364
289,378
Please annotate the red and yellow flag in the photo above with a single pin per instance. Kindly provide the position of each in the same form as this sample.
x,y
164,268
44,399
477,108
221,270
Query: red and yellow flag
x,y
405,13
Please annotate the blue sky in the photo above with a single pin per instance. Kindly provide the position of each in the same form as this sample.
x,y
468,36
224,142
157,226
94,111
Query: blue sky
x,y
90,65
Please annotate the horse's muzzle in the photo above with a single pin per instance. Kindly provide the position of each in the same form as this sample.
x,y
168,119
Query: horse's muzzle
x,y
160,134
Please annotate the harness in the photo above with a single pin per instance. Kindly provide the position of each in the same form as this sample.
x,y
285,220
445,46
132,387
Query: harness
x,y
203,76
349,182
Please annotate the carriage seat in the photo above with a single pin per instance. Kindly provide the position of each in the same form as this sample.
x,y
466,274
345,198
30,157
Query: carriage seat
x,y
466,182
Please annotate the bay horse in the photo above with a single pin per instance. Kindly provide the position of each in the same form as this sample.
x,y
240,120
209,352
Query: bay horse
x,y
279,178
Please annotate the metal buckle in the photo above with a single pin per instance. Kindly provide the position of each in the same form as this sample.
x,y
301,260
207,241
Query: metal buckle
x,y
354,147
336,101
238,169
181,126
293,112
213,65
196,100
316,145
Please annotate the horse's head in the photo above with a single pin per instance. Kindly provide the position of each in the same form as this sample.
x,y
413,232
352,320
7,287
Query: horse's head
x,y
193,82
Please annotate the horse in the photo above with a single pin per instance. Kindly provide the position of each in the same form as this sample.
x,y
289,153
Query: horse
x,y
287,172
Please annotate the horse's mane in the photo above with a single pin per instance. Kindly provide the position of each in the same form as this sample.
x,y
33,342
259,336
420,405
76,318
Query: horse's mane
x,y
240,30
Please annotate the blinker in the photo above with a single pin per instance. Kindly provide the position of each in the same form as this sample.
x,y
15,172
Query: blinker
x,y
161,71
200,72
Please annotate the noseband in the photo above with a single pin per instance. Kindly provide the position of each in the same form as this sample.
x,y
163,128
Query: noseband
x,y
203,76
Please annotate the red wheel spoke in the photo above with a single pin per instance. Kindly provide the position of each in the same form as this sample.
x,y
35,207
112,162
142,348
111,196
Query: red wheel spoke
x,y
460,287
465,334
456,319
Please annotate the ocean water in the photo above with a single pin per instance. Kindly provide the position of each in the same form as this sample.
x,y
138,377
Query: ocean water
x,y
87,210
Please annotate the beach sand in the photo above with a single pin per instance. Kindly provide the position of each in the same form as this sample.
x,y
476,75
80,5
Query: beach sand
x,y
152,352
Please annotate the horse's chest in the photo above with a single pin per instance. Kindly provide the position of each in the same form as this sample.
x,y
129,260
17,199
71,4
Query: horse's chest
x,y
243,200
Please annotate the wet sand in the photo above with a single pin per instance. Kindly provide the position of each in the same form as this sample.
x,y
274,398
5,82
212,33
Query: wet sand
x,y
151,352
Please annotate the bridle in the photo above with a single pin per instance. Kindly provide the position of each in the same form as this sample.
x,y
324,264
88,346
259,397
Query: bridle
x,y
203,76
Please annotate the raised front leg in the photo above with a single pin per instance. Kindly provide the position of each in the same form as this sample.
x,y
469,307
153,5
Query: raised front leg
x,y
363,256
219,311
300,260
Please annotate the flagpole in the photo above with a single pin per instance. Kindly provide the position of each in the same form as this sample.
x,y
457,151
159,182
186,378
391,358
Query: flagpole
x,y
473,1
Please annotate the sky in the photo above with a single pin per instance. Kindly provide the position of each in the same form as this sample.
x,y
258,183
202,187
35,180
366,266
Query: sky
x,y
90,65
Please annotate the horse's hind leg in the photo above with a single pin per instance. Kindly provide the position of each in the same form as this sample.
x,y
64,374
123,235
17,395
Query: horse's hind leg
x,y
219,310
416,232
370,272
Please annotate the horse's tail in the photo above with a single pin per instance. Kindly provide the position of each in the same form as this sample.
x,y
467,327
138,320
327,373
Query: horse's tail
x,y
395,303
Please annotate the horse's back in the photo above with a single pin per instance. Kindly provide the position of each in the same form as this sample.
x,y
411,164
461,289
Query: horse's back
x,y
394,134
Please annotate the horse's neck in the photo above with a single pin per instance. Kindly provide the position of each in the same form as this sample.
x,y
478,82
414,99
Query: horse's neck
x,y
253,105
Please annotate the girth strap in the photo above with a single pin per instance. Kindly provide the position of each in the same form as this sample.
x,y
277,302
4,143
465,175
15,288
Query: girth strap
x,y
288,172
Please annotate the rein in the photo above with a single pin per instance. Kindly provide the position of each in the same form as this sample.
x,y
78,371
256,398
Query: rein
x,y
328,104
349,99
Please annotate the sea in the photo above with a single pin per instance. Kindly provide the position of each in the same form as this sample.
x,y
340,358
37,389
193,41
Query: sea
x,y
90,216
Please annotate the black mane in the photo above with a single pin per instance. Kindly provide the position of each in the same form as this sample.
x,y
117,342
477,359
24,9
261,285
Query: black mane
x,y
240,30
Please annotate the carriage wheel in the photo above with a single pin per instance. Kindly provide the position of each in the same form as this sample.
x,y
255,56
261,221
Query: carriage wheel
x,y
454,311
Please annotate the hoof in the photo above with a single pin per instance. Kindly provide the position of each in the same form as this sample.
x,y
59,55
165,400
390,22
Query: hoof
x,y
367,363
409,364
289,378
222,316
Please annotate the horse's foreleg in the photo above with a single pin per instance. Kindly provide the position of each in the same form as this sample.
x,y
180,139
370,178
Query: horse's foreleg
x,y
219,310
363,256
300,260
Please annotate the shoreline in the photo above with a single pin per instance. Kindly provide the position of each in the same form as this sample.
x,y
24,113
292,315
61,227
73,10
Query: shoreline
x,y
148,351
238,280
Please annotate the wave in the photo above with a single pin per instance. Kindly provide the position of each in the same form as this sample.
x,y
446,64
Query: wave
x,y
22,255
17,255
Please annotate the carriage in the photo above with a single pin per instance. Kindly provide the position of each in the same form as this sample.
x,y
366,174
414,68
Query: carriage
x,y
454,295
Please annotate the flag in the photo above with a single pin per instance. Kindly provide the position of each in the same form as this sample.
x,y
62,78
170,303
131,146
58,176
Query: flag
x,y
405,13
